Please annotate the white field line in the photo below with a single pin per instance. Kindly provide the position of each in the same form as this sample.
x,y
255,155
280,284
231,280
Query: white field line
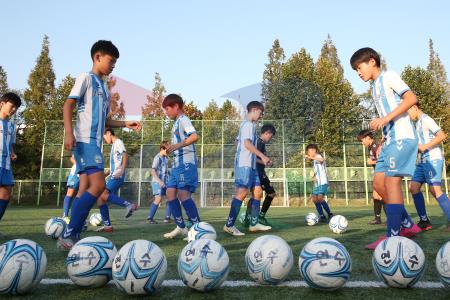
x,y
295,284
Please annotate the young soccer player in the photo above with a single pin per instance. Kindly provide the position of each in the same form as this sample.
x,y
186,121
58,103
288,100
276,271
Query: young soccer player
x,y
430,165
160,173
9,103
245,174
183,178
118,159
366,137
73,183
267,133
392,98
320,179
91,96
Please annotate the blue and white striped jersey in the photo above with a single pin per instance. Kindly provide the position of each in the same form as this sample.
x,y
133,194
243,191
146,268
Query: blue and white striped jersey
x,y
427,129
115,156
387,91
245,158
182,129
92,96
8,131
161,166
320,172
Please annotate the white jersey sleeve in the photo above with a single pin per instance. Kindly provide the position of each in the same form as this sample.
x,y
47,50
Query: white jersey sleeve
x,y
155,164
393,80
186,126
80,86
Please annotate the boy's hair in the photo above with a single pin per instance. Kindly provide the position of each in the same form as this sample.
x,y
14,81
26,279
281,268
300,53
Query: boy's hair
x,y
13,98
172,100
163,145
110,130
255,105
312,146
364,55
104,47
365,133
268,127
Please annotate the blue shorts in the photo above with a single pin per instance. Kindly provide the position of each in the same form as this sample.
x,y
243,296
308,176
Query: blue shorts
x,y
6,177
320,190
158,190
88,156
73,182
114,184
429,172
246,177
184,178
398,158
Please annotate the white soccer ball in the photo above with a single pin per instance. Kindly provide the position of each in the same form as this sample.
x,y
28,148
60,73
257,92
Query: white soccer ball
x,y
55,227
90,260
311,219
201,230
443,264
95,219
203,265
22,266
398,261
139,267
325,264
269,259
338,224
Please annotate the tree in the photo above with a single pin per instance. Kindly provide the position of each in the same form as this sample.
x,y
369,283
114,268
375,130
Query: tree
x,y
153,108
3,81
60,96
212,111
229,111
329,53
272,72
116,107
192,111
300,65
435,66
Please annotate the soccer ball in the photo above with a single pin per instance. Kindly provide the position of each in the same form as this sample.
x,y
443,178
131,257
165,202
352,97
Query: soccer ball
x,y
201,230
90,260
22,266
325,264
398,261
95,219
311,219
443,264
55,227
269,259
203,265
338,224
139,267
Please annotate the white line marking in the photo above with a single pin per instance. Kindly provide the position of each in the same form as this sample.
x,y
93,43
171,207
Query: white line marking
x,y
295,284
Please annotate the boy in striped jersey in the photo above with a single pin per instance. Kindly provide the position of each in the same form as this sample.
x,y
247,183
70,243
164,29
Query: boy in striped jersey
x,y
320,182
430,165
160,172
9,103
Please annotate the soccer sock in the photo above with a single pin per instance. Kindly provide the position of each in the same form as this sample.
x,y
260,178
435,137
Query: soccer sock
x,y
319,209
248,212
66,205
419,203
394,216
266,204
175,208
79,213
377,204
3,204
234,211
326,207
255,211
443,201
104,211
191,210
406,220
152,212
117,200
167,211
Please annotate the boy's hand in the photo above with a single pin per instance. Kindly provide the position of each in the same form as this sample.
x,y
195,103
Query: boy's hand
x,y
173,147
107,172
423,148
270,163
135,125
161,184
13,156
69,141
378,123
265,160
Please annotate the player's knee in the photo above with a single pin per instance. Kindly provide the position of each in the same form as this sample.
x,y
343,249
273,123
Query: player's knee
x,y
414,188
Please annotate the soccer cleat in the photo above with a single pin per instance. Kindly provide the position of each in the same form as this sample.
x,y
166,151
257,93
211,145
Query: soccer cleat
x,y
373,245
151,221
65,244
425,225
176,232
131,208
323,219
263,221
259,227
375,221
329,217
232,230
410,232
105,229
167,220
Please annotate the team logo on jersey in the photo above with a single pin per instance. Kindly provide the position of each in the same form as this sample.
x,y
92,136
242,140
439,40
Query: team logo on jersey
x,y
98,159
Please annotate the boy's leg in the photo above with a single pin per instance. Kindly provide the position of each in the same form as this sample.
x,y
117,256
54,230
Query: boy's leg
x,y
104,212
377,206
168,213
175,208
113,185
319,208
5,195
442,199
236,204
68,201
189,205
269,191
153,208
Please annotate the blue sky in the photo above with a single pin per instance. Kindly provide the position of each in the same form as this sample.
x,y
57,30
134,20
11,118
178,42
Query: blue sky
x,y
204,49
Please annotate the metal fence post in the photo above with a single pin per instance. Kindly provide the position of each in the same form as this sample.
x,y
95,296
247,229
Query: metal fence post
x,y
366,176
42,164
60,167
